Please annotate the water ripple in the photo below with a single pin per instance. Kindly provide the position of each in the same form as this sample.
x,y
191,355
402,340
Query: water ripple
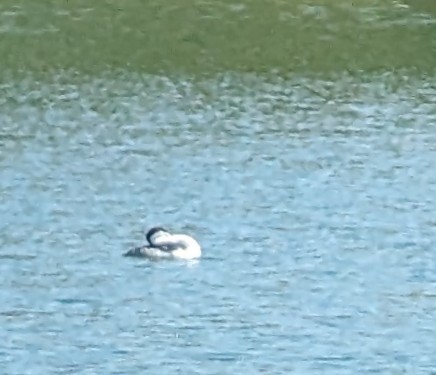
x,y
313,201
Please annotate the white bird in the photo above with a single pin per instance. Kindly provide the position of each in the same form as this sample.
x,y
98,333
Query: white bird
x,y
166,245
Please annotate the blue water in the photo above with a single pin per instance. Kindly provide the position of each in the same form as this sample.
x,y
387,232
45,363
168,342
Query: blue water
x,y
314,202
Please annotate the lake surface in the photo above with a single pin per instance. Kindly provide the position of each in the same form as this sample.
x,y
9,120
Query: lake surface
x,y
311,187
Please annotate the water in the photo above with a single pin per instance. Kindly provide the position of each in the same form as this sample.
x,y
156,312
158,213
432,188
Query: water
x,y
303,165
194,37
316,219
